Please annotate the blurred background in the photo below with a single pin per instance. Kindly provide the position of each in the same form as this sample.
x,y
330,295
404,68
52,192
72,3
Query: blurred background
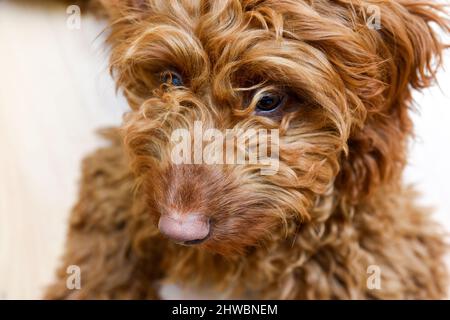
x,y
55,91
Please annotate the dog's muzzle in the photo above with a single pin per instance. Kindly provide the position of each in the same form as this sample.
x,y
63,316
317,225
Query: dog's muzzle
x,y
186,228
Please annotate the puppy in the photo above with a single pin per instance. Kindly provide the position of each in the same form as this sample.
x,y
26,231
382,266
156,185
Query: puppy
x,y
333,80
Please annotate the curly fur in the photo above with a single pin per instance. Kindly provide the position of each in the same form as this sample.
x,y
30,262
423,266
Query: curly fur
x,y
337,204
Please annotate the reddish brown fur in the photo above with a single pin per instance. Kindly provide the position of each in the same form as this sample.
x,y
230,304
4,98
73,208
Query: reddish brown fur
x,y
337,204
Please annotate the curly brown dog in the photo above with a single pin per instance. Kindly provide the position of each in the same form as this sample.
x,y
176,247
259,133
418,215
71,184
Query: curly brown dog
x,y
337,89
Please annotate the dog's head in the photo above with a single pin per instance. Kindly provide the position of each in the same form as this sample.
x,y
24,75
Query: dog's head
x,y
327,83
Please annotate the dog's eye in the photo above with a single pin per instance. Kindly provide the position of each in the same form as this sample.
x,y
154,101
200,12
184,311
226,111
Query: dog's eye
x,y
269,102
171,78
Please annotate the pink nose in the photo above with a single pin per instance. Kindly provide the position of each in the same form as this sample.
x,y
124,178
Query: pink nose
x,y
186,228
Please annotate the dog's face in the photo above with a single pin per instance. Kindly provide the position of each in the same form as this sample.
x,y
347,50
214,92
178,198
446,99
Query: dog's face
x,y
314,71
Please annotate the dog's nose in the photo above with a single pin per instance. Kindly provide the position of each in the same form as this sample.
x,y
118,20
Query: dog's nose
x,y
187,228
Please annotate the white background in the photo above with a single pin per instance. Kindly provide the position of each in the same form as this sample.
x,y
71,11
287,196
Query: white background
x,y
55,91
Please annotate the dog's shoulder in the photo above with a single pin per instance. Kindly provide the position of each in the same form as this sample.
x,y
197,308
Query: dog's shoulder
x,y
106,189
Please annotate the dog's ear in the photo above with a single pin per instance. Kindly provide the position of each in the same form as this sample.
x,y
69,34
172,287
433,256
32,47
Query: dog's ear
x,y
410,50
409,31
